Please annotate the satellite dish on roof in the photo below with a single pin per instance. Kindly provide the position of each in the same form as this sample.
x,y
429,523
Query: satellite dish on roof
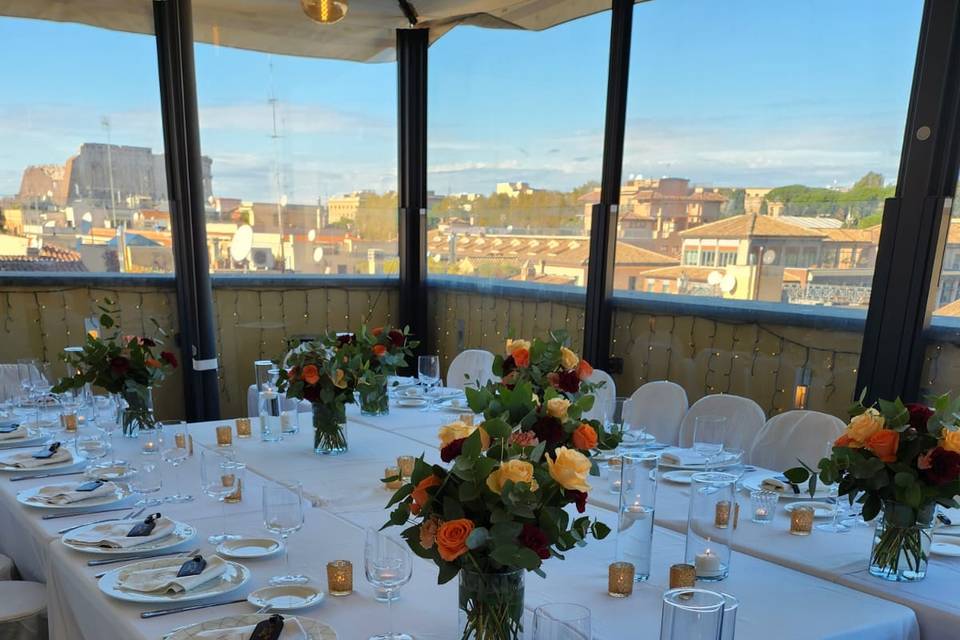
x,y
241,243
318,254
312,235
714,278
728,283
769,257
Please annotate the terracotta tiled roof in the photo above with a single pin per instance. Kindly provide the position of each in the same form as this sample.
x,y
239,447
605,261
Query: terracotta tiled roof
x,y
750,226
695,274
49,258
546,279
870,235
950,309
953,234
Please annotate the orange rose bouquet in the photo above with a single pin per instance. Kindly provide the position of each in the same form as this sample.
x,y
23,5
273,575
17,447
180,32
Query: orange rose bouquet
x,y
901,461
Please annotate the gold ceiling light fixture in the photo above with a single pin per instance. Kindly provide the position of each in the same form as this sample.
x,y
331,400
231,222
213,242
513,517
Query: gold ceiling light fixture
x,y
325,11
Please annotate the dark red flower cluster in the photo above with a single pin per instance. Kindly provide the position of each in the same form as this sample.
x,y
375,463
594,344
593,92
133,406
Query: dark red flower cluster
x,y
549,430
452,450
397,338
169,358
578,498
346,338
509,366
940,466
532,537
119,365
919,416
311,392
568,381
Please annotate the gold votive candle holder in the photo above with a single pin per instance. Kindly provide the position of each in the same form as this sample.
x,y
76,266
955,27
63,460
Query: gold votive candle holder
x,y
69,421
620,579
224,436
405,464
682,576
183,441
340,577
244,428
392,472
466,418
721,517
801,520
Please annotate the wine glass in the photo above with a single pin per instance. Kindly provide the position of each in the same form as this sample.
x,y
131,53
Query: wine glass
x,y
25,367
708,436
218,481
561,621
108,419
283,515
388,565
93,443
147,479
173,450
835,525
428,371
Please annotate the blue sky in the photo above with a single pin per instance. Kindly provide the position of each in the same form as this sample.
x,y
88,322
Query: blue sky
x,y
732,93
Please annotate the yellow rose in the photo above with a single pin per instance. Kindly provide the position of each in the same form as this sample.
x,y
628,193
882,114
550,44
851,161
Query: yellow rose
x,y
865,425
951,441
340,381
557,407
515,470
570,469
514,345
459,429
568,358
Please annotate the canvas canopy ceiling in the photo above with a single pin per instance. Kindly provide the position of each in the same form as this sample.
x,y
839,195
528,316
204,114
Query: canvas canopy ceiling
x,y
366,34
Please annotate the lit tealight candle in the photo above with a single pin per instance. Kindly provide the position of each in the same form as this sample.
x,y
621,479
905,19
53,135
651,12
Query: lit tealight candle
x,y
244,428
340,577
224,436
707,564
149,447
620,579
392,472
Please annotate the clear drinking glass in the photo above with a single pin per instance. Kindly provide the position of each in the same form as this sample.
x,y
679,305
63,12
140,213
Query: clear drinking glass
x,y
708,436
147,479
270,408
633,431
93,443
835,525
174,450
283,515
638,495
691,614
428,371
217,482
25,367
108,419
40,378
729,625
388,565
561,621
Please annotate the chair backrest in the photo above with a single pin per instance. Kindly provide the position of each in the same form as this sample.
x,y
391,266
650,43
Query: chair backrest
x,y
744,417
9,381
792,436
470,368
659,408
605,396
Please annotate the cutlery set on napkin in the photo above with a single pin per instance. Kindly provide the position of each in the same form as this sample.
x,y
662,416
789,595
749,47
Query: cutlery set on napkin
x,y
115,534
73,492
276,627
688,457
11,431
54,454
171,575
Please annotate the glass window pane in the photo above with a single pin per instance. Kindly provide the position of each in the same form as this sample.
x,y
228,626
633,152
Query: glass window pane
x,y
82,178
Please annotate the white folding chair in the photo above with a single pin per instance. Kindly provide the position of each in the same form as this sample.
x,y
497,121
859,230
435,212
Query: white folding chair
x,y
793,436
23,607
605,397
659,408
471,368
744,417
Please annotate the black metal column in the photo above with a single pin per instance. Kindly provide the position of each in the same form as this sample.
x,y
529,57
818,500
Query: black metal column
x,y
412,45
603,225
916,220
181,135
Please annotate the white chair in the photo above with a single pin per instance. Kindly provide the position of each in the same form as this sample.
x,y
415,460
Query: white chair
x,y
658,407
605,397
9,382
744,417
471,368
23,607
6,568
793,436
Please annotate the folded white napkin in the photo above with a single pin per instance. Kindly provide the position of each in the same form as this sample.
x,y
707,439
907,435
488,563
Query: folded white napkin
x,y
19,434
291,631
25,459
690,457
162,578
775,484
66,494
113,535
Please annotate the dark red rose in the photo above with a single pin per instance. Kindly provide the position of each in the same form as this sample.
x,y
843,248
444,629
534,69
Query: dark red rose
x,y
169,358
346,338
578,498
532,537
397,338
509,366
119,365
147,342
944,466
568,381
311,393
919,415
452,450
549,430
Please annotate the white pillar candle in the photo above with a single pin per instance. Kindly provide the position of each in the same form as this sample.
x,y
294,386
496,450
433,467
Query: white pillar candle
x,y
707,564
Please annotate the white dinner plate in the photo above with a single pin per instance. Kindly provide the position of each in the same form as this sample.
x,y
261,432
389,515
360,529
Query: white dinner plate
x,y
289,597
455,405
945,546
315,629
820,509
726,460
27,441
181,533
753,482
440,393
635,439
678,476
77,460
118,471
233,578
121,493
249,548
411,402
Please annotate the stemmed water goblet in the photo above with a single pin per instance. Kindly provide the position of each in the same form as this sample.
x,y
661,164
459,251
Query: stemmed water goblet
x,y
218,481
93,443
147,479
283,515
388,565
708,437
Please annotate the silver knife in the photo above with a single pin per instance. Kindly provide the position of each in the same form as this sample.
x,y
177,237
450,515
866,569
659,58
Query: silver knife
x,y
36,476
54,516
164,612
146,556
132,514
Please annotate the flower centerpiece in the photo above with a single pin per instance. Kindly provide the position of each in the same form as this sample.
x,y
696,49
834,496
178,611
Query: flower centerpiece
x,y
501,506
381,351
545,364
126,366
899,461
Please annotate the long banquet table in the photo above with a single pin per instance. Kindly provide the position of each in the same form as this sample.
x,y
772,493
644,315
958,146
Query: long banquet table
x,y
797,600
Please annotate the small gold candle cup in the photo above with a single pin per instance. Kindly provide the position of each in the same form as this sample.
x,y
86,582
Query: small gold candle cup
x,y
721,517
682,576
224,436
801,520
69,422
340,577
392,472
180,440
620,579
244,428
405,464
237,495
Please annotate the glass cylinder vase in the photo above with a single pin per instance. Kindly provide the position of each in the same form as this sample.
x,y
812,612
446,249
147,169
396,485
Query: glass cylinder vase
x,y
491,605
901,542
638,495
138,415
329,428
710,524
374,400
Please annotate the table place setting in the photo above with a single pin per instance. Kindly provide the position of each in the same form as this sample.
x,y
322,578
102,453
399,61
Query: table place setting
x,y
86,493
53,456
242,627
128,536
690,459
171,579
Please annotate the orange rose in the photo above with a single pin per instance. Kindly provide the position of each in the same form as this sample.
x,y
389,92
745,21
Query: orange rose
x,y
152,362
452,538
521,357
379,350
884,444
311,375
585,437
376,332
843,441
584,370
420,495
